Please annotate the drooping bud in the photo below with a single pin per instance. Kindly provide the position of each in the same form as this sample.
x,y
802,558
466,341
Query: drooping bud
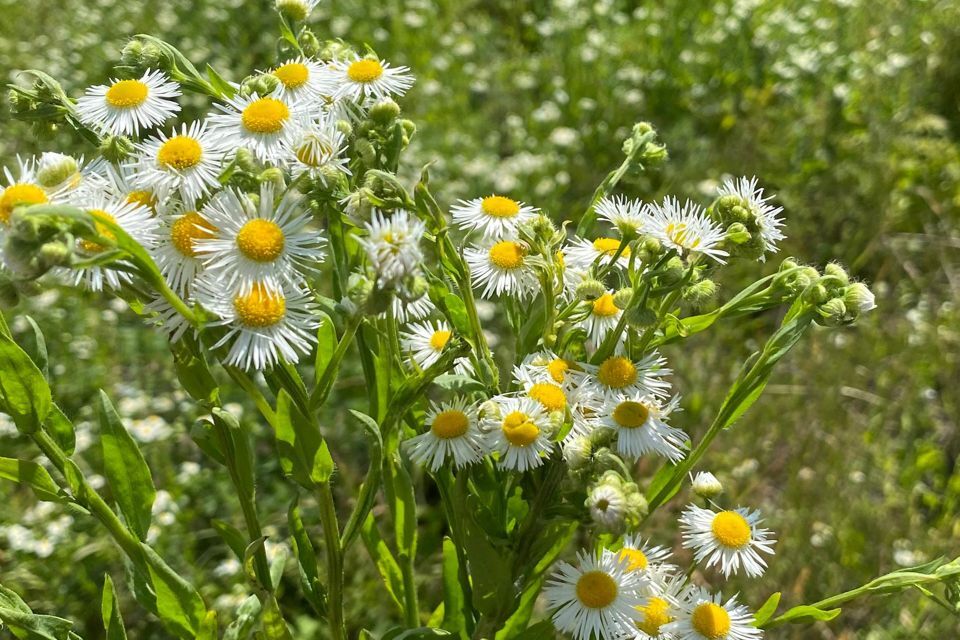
x,y
116,149
622,298
737,234
590,290
275,176
577,452
55,168
700,292
706,485
859,297
641,317
309,43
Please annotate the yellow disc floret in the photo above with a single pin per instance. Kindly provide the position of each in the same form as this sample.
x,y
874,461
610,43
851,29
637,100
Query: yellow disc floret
x,y
507,254
180,152
261,240
500,207
596,590
604,307
617,372
261,308
187,229
731,529
365,70
630,414
265,115
439,339
293,75
144,198
609,246
102,230
19,194
451,423
635,559
711,620
655,615
127,93
549,395
519,430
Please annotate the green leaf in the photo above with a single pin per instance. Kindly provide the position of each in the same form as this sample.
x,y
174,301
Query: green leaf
x,y
219,83
303,453
178,605
807,613
306,560
26,625
384,560
126,470
420,633
202,433
110,611
766,611
32,475
543,630
36,347
235,443
454,603
368,491
24,392
208,628
232,536
457,312
194,374
242,625
61,429
274,627
326,344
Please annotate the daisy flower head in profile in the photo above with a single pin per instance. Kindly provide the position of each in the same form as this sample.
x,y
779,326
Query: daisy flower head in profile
x,y
640,555
126,107
640,426
519,432
729,539
625,215
264,240
741,200
583,254
594,598
493,216
705,616
502,268
453,433
68,179
392,245
265,125
686,228
175,245
602,317
187,163
359,78
266,324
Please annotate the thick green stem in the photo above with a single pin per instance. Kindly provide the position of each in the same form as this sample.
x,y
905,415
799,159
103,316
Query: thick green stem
x,y
331,535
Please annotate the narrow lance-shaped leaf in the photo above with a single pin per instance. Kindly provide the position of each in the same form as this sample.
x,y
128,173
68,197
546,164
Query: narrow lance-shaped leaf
x,y
303,452
110,611
24,392
32,475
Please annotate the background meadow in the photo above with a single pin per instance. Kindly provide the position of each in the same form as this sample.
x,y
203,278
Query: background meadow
x,y
849,110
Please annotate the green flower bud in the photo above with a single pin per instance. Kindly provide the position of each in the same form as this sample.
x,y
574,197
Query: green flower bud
x,y
622,298
366,151
706,485
577,453
409,128
293,10
55,169
700,292
859,297
309,43
641,317
275,176
131,52
837,271
335,50
816,294
674,270
788,263
608,506
833,311
589,290
54,254
344,127
738,234
247,161
384,111
116,149
413,289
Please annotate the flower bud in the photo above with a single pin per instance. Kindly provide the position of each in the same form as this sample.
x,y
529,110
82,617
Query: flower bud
x,y
116,149
674,270
366,151
858,296
833,311
55,168
335,50
706,485
9,295
608,506
247,161
834,269
816,294
622,298
273,175
54,254
700,292
309,43
590,290
737,234
293,10
384,111
641,317
577,452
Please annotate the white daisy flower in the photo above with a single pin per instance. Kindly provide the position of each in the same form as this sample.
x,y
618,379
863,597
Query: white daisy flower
x,y
594,599
68,179
641,556
393,245
175,246
160,313
20,189
405,310
494,216
425,341
119,183
546,366
729,539
265,324
686,229
502,268
135,219
608,506
660,606
303,79
706,485
604,316
550,395
640,427
626,215
454,433
264,242
618,375
360,78
266,125
766,215
188,162
296,9
127,106
703,616
520,434
582,254
318,150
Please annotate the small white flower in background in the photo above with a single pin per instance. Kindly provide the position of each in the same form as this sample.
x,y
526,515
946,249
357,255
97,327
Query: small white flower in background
x,y
150,429
703,616
608,505
361,78
265,125
596,598
188,163
494,216
227,568
638,422
126,107
303,79
520,434
264,242
684,228
728,539
393,245
502,268
453,432
765,214
706,485
618,375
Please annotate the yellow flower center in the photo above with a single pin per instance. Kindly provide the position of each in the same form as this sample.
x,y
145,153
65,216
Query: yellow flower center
x,y
558,370
630,414
293,75
144,198
731,529
679,233
655,615
439,339
519,430
260,308
609,246
102,230
314,151
187,229
265,115
365,70
507,254
261,240
127,93
617,372
179,152
711,620
451,423
604,307
499,207
19,194
549,395
596,590
636,560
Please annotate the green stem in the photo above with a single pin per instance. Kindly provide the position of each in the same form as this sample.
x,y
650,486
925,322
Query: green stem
x,y
325,384
331,534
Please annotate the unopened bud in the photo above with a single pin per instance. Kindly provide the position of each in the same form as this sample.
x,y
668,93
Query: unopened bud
x,y
737,234
816,294
858,296
384,111
577,452
833,311
622,298
700,292
837,271
641,317
706,485
55,168
293,10
273,175
116,149
54,254
309,43
590,290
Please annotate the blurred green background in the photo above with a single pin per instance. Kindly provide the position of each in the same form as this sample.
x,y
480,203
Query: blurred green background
x,y
849,110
